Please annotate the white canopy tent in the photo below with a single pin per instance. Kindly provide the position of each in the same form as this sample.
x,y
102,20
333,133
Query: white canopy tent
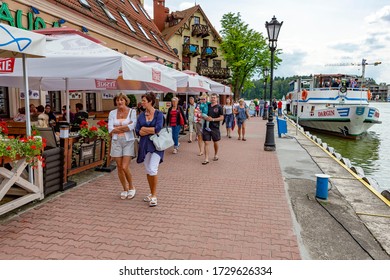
x,y
215,87
74,62
15,42
185,83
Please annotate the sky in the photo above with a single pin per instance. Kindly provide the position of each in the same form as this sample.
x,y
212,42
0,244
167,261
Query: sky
x,y
314,32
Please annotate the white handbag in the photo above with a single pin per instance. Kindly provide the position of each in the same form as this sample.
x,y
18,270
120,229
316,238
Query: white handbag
x,y
163,140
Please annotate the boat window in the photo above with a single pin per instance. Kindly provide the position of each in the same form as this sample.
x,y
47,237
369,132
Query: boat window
x,y
301,109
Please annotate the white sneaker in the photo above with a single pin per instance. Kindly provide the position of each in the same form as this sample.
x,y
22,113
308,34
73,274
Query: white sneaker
x,y
131,193
124,195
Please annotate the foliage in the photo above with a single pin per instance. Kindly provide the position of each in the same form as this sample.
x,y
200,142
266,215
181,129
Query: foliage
x,y
133,100
168,96
94,132
245,51
29,147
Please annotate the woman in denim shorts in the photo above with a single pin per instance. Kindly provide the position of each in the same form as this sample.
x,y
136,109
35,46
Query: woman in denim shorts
x,y
121,124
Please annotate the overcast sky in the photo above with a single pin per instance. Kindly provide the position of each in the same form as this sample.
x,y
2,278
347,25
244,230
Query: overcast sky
x,y
314,32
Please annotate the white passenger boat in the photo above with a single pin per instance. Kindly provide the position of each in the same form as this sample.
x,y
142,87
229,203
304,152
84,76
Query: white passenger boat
x,y
341,109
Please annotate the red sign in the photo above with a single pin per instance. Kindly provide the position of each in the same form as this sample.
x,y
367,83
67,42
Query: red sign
x,y
328,113
7,65
156,76
106,84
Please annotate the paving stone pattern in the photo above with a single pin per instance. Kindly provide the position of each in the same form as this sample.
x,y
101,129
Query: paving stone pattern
x,y
233,208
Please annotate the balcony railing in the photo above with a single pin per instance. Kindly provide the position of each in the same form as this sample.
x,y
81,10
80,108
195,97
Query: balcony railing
x,y
209,52
211,72
190,50
200,30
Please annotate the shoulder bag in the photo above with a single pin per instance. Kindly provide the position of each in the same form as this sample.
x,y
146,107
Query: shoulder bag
x,y
162,140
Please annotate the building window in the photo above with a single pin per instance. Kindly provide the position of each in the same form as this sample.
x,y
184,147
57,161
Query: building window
x,y
4,104
203,62
186,65
90,98
196,20
53,98
205,42
134,7
143,31
217,63
155,38
186,39
106,10
85,4
145,13
129,25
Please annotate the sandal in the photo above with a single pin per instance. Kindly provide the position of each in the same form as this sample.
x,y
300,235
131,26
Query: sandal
x,y
243,139
239,138
205,162
189,141
148,198
215,158
200,154
153,202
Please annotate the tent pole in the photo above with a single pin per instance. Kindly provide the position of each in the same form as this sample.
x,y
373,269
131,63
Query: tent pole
x,y
28,116
67,100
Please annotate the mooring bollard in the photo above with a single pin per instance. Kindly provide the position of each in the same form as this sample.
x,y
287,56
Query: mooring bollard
x,y
322,186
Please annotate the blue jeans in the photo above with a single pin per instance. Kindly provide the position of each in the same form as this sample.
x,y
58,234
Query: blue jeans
x,y
175,135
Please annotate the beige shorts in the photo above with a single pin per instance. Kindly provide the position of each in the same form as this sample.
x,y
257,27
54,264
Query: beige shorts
x,y
191,126
198,128
121,148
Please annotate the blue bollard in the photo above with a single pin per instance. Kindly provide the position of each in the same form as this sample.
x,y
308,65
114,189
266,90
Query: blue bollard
x,y
322,186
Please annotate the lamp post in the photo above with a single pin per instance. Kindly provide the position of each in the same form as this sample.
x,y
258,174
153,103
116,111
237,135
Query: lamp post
x,y
273,28
265,76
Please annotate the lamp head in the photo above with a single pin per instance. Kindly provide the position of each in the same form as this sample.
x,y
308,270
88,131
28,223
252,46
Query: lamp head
x,y
273,29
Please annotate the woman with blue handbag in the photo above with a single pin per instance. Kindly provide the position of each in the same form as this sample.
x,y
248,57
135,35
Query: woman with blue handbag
x,y
150,122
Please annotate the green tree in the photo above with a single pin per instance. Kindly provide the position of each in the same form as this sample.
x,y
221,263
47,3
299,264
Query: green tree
x,y
245,51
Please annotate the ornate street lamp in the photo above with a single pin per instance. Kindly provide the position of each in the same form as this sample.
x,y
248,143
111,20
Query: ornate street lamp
x,y
265,77
273,28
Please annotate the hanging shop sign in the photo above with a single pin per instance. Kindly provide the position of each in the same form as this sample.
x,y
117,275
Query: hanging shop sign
x,y
7,65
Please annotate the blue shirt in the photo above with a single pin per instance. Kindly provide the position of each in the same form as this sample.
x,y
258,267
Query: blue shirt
x,y
145,144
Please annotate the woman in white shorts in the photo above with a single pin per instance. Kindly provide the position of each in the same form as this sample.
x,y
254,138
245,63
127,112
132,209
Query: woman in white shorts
x,y
121,124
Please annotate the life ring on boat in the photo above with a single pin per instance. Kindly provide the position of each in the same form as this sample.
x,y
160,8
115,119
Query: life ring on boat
x,y
304,94
369,95
343,91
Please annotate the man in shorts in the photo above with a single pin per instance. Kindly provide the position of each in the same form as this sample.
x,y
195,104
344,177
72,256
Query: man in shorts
x,y
215,116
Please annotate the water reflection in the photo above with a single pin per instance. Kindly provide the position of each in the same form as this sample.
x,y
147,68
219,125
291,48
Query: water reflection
x,y
363,152
371,151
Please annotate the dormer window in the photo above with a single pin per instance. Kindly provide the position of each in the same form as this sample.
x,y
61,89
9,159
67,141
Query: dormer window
x,y
196,20
126,20
85,4
143,31
155,38
166,44
106,10
144,12
134,7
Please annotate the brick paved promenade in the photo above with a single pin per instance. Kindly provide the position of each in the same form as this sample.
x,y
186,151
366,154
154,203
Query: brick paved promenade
x,y
234,208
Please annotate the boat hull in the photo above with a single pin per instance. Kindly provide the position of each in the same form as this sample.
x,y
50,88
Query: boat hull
x,y
347,121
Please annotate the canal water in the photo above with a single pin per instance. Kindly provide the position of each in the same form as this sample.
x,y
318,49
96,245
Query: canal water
x,y
372,151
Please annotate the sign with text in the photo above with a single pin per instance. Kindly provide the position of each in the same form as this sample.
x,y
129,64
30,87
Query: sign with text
x,y
106,84
7,65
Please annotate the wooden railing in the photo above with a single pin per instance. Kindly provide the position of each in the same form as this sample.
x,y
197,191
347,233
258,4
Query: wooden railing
x,y
190,50
200,30
209,52
211,72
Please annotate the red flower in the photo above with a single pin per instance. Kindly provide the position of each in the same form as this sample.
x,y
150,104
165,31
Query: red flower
x,y
33,132
9,148
33,147
102,123
94,128
84,124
